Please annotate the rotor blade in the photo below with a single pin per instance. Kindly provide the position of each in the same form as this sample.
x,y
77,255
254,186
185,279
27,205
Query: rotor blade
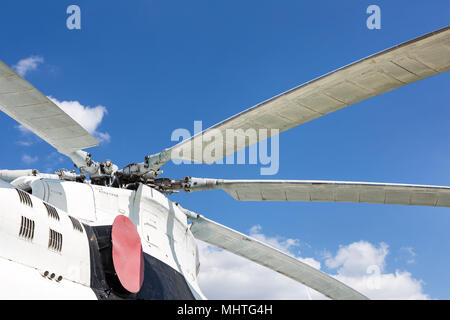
x,y
327,191
24,103
11,175
256,251
411,61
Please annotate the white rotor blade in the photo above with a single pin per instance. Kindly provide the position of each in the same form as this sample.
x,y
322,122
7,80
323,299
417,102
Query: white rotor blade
x,y
256,251
28,106
11,175
414,60
328,191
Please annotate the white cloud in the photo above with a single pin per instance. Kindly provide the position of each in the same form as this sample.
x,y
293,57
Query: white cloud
x,y
27,137
28,64
24,143
361,265
279,243
393,286
89,118
354,259
102,136
409,254
29,159
224,275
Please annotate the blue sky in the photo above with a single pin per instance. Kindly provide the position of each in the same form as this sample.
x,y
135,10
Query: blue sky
x,y
159,65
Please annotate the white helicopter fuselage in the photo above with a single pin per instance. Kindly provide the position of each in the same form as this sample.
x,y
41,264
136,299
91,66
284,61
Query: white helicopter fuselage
x,y
54,242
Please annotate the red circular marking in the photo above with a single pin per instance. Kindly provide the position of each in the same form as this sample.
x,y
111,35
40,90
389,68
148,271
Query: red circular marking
x,y
127,254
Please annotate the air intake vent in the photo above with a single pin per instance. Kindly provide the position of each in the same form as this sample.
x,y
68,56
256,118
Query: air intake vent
x,y
76,224
25,198
26,229
55,241
51,211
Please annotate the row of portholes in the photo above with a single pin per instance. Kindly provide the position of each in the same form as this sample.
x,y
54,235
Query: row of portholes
x,y
51,276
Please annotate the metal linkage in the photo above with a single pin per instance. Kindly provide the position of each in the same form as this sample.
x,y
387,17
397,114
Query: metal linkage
x,y
188,184
101,173
149,169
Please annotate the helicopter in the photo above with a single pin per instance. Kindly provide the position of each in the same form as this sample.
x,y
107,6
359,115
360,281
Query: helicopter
x,y
108,233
